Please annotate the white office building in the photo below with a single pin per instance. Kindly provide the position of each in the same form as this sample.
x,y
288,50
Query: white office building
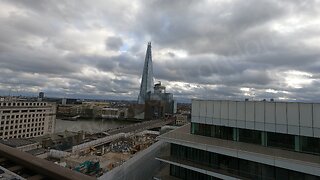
x,y
22,119
246,140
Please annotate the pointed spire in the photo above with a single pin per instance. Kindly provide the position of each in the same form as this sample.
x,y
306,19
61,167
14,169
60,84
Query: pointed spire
x,y
147,76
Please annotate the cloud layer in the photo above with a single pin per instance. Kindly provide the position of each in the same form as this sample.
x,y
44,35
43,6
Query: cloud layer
x,y
201,49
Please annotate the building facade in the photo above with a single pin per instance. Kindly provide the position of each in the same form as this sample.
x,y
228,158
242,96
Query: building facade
x,y
22,119
246,140
181,119
113,113
159,103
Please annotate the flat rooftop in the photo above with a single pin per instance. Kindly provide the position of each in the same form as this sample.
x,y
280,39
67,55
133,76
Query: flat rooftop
x,y
37,151
56,136
16,142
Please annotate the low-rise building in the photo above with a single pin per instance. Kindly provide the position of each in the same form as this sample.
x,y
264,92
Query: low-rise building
x,y
21,144
114,113
181,119
61,140
26,145
92,110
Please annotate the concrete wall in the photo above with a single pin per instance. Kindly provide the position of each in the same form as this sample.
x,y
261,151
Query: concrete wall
x,y
282,117
97,142
142,166
29,147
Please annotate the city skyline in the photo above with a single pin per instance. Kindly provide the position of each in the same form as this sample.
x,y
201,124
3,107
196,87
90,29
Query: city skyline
x,y
214,50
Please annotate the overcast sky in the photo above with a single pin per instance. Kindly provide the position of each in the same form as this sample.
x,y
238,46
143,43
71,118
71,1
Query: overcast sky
x,y
216,49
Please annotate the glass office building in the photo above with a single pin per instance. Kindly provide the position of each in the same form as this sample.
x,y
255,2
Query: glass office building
x,y
246,140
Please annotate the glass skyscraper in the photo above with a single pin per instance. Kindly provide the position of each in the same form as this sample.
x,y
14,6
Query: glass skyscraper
x,y
147,77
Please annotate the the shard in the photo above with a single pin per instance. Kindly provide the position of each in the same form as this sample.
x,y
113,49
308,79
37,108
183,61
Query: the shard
x,y
147,76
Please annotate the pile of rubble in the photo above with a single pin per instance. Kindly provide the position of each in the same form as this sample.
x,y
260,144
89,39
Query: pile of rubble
x,y
122,146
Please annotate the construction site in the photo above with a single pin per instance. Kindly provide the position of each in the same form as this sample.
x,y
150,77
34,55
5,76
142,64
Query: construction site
x,y
99,156
84,155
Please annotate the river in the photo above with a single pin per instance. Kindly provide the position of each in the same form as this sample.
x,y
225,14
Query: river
x,y
89,125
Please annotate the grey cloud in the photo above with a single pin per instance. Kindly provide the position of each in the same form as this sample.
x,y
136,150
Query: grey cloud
x,y
230,45
114,43
201,28
34,62
211,70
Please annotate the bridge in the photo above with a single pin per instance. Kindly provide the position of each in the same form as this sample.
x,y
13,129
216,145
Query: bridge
x,y
138,127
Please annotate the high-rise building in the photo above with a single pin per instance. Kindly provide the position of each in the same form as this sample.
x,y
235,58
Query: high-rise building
x,y
246,140
147,76
41,95
24,119
159,103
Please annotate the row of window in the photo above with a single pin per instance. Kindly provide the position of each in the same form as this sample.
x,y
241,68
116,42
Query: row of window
x,y
187,174
23,130
23,104
10,131
296,143
25,135
22,111
21,126
234,166
22,121
22,116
